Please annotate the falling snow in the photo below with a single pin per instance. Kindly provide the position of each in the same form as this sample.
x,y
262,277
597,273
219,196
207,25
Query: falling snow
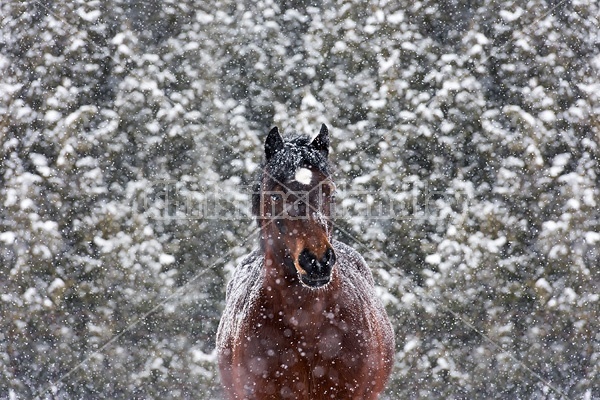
x,y
465,144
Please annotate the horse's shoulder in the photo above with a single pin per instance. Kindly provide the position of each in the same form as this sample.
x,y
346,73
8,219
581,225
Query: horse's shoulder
x,y
358,287
242,291
246,273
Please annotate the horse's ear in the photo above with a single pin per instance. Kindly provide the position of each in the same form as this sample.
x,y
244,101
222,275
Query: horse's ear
x,y
321,142
273,144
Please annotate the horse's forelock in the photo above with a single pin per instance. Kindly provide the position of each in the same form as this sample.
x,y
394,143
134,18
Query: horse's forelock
x,y
296,153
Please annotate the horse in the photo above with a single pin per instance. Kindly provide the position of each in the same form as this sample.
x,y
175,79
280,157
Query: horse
x,y
301,320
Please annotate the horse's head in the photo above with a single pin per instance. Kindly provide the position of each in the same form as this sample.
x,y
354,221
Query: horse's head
x,y
293,205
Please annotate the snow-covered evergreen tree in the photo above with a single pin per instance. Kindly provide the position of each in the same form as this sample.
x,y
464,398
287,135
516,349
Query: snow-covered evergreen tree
x,y
465,139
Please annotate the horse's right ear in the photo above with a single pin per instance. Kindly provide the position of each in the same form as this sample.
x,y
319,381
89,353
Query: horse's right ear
x,y
273,144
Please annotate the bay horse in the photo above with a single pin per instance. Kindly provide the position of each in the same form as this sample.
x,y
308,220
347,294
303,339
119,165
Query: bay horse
x,y
301,320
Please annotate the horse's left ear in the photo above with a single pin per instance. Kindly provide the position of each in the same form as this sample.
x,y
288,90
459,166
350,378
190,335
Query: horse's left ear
x,y
321,142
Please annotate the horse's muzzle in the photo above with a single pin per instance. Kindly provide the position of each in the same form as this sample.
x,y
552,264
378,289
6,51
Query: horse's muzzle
x,y
318,270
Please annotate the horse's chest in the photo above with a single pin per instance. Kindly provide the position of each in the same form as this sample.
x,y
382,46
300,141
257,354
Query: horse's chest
x,y
311,350
302,337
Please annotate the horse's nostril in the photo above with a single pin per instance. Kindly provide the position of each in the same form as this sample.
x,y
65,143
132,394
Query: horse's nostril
x,y
328,258
307,261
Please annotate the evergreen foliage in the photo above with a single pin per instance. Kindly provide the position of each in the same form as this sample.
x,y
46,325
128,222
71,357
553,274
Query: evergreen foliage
x,y
466,147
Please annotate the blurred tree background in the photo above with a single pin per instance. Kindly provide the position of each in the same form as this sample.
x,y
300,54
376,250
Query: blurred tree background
x,y
465,139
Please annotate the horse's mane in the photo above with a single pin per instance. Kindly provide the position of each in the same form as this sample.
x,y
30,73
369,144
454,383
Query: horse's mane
x,y
297,152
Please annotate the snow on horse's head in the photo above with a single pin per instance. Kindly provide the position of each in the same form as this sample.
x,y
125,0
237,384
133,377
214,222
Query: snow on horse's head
x,y
293,207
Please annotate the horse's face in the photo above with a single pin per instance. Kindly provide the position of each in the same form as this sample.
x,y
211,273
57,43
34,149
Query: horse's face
x,y
296,210
298,221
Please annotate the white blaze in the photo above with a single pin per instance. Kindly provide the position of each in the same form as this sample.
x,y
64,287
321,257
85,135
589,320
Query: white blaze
x,y
303,176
